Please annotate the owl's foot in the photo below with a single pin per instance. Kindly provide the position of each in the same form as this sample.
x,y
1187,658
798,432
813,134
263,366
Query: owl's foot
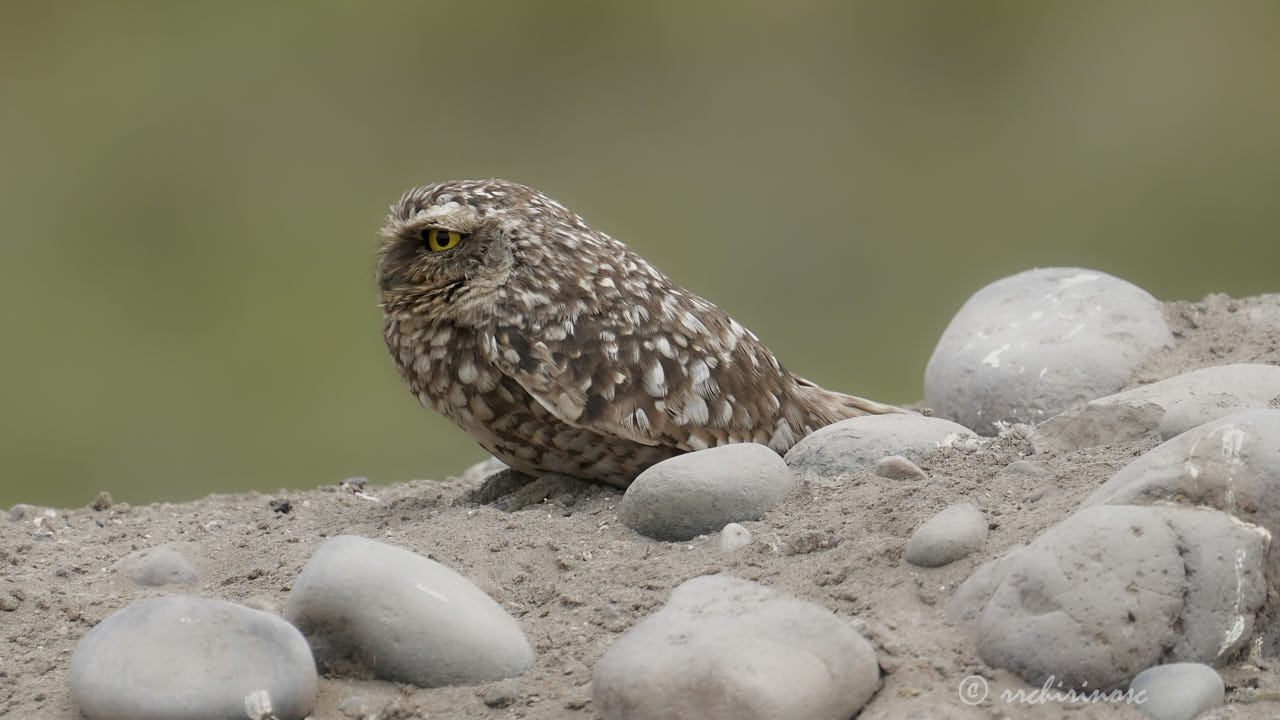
x,y
510,490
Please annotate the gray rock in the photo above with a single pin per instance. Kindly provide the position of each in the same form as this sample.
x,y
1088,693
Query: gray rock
x,y
1179,691
1231,464
1029,346
403,616
1115,589
896,467
948,536
1166,408
156,566
855,445
189,658
728,649
733,537
700,492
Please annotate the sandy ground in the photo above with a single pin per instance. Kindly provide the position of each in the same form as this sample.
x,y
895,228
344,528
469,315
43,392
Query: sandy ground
x,y
575,578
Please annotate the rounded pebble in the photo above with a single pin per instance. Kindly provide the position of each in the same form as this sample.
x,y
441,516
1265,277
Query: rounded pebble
x,y
733,537
700,492
948,536
1028,346
190,658
896,467
855,445
354,706
723,648
403,616
1179,691
156,566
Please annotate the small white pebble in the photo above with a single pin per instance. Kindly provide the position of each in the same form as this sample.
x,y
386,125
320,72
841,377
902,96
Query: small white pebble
x,y
733,537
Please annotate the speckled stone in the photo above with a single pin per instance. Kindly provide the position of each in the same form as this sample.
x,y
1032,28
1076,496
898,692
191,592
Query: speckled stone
x,y
1158,582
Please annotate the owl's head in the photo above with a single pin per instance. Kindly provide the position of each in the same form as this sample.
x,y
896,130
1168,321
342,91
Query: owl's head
x,y
462,247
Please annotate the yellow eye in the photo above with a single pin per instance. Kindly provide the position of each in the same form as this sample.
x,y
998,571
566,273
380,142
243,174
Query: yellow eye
x,y
438,240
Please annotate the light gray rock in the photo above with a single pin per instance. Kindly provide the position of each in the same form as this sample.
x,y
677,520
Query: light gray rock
x,y
1029,346
403,616
948,536
856,444
1115,589
156,566
734,537
190,658
700,492
1232,464
1179,691
1166,408
896,467
728,649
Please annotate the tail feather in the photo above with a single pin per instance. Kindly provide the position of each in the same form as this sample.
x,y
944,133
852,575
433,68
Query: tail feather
x,y
827,406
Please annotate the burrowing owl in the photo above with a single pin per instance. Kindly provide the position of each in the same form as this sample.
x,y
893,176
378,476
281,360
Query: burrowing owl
x,y
560,350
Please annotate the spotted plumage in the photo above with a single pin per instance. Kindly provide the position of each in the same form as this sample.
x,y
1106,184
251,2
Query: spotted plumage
x,y
560,350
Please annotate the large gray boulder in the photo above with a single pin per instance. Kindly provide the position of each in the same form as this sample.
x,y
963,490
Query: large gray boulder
x,y
1113,590
1029,346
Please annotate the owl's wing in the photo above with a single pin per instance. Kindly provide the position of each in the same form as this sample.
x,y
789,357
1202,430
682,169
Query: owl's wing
x,y
685,375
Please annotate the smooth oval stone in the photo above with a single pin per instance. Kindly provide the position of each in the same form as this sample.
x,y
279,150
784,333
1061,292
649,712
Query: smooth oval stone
x,y
948,536
190,658
723,648
700,492
405,617
1028,346
855,445
1179,691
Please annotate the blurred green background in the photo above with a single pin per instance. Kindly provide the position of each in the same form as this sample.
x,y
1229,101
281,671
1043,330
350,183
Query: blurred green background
x,y
190,195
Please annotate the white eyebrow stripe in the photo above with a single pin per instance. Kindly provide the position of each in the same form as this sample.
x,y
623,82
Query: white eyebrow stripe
x,y
436,211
